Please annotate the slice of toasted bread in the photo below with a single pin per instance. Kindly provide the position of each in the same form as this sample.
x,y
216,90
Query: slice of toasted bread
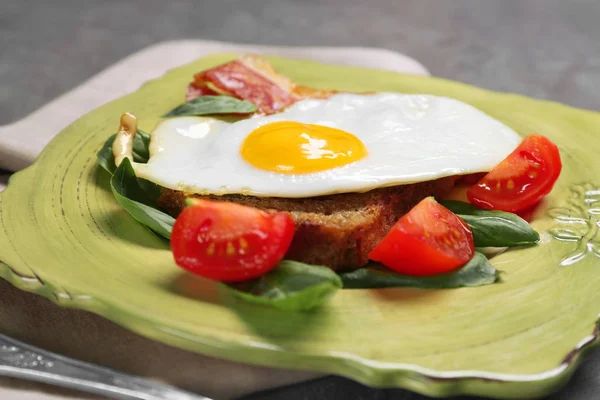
x,y
336,230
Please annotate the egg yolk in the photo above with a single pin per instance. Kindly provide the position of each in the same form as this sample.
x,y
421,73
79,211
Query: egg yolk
x,y
295,148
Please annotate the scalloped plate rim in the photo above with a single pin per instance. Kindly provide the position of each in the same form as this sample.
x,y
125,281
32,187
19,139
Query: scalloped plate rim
x,y
437,379
562,371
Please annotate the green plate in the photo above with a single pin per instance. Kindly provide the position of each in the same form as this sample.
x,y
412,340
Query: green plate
x,y
63,235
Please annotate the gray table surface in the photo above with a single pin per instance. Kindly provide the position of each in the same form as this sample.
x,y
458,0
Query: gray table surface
x,y
547,49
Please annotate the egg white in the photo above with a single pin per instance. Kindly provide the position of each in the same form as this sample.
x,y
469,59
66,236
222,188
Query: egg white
x,y
409,139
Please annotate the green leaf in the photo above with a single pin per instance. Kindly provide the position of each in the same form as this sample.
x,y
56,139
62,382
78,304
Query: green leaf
x,y
105,156
134,198
152,190
206,105
141,152
493,228
291,285
477,272
141,147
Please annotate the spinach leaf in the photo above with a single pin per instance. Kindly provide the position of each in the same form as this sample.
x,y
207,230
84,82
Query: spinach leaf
x,y
105,156
141,147
291,285
134,198
206,105
477,272
141,153
493,228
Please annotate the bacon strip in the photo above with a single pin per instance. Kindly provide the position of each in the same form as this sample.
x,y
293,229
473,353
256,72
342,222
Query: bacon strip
x,y
253,79
244,83
194,91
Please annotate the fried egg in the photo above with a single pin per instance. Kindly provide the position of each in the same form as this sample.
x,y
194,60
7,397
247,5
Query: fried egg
x,y
347,143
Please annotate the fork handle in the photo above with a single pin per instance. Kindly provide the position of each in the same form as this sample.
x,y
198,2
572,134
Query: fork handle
x,y
24,361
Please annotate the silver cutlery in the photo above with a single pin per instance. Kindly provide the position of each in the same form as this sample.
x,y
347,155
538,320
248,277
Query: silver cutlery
x,y
24,361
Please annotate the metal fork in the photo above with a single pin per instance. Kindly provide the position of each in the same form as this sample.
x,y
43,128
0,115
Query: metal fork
x,y
24,361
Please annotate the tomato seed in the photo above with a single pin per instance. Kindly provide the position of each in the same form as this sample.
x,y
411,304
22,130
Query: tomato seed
x,y
210,250
230,249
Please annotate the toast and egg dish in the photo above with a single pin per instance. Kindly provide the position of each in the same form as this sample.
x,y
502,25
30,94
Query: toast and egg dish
x,y
346,168
331,179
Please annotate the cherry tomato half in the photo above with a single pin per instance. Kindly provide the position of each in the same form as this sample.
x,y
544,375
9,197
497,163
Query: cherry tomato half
x,y
429,240
522,179
229,242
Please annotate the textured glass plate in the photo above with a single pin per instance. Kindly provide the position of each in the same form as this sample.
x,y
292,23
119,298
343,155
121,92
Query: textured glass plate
x,y
63,235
